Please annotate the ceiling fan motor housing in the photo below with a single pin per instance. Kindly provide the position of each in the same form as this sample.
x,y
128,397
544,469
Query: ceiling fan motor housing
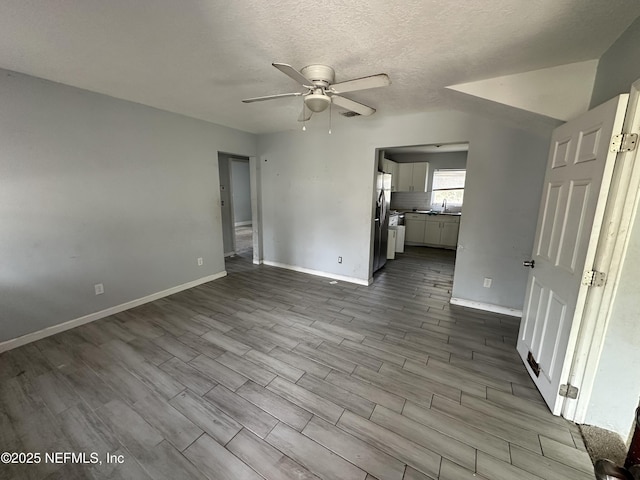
x,y
320,75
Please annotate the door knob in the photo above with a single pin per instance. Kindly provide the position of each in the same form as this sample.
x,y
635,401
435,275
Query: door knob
x,y
529,263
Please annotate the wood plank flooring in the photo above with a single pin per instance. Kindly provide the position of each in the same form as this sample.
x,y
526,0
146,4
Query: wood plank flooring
x,y
272,374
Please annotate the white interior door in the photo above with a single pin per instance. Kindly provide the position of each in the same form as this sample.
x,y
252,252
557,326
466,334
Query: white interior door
x,y
576,185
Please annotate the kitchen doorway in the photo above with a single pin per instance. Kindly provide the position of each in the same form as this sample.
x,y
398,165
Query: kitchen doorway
x,y
427,191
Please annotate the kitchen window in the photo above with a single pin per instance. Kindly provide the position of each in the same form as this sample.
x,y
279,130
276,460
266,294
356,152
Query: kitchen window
x,y
448,185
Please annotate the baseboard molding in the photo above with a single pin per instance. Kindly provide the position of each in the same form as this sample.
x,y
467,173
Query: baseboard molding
x,y
61,327
229,254
317,273
487,307
242,224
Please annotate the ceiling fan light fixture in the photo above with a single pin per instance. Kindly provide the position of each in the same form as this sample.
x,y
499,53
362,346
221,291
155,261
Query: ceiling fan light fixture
x,y
317,102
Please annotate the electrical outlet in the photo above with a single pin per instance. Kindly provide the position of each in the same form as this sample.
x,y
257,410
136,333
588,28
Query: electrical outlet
x,y
200,261
339,259
99,288
487,282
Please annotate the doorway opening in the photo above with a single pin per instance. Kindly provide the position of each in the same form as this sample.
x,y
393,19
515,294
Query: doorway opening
x,y
236,205
241,206
427,191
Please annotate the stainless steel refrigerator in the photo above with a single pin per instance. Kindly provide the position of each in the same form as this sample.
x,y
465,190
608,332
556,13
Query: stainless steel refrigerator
x,y
381,220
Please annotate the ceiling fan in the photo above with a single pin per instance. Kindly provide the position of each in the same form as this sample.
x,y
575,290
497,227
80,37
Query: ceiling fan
x,y
321,91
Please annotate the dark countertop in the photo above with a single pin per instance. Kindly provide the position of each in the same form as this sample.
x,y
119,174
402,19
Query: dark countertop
x,y
431,212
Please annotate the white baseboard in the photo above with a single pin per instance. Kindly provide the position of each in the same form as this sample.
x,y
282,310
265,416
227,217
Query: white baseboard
x,y
488,307
61,327
242,224
318,273
228,254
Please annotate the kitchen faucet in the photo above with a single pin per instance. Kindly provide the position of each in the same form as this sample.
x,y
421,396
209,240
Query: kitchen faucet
x,y
444,205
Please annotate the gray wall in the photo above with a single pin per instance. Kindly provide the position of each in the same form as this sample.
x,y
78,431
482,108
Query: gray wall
x,y
617,383
241,191
318,190
99,190
505,174
619,66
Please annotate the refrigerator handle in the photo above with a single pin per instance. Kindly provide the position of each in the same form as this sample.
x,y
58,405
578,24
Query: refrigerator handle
x,y
383,206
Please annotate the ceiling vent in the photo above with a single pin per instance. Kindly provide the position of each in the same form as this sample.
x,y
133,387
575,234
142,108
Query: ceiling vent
x,y
349,113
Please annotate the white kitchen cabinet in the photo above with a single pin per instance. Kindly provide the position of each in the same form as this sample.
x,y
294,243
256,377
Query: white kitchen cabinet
x,y
405,177
412,177
389,166
414,227
391,243
432,230
420,171
449,237
400,239
442,231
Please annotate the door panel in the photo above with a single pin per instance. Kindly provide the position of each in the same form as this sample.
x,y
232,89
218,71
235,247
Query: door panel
x,y
549,346
573,236
547,240
529,322
576,184
588,145
561,153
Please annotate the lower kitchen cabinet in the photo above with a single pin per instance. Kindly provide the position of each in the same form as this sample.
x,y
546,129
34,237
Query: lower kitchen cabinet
x,y
414,227
449,234
432,230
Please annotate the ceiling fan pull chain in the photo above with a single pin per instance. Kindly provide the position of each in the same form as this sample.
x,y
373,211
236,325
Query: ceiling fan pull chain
x,y
304,116
330,109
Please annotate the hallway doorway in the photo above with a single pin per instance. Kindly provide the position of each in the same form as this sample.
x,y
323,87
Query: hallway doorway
x,y
235,205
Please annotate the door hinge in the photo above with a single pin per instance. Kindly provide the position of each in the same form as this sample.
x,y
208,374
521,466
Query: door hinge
x,y
568,391
625,142
591,278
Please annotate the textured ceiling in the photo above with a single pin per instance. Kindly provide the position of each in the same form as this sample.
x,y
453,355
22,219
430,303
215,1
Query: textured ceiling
x,y
200,58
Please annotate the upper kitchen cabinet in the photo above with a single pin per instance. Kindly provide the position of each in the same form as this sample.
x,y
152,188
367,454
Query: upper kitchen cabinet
x,y
412,177
389,166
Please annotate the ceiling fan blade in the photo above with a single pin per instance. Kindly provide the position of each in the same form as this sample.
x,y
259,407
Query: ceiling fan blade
x,y
374,81
353,106
305,114
271,97
293,73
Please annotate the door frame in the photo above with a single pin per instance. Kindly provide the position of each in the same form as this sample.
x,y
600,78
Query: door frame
x,y
232,215
620,211
256,203
255,186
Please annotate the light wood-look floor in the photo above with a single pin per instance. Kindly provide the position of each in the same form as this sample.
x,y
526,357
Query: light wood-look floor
x,y
275,374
